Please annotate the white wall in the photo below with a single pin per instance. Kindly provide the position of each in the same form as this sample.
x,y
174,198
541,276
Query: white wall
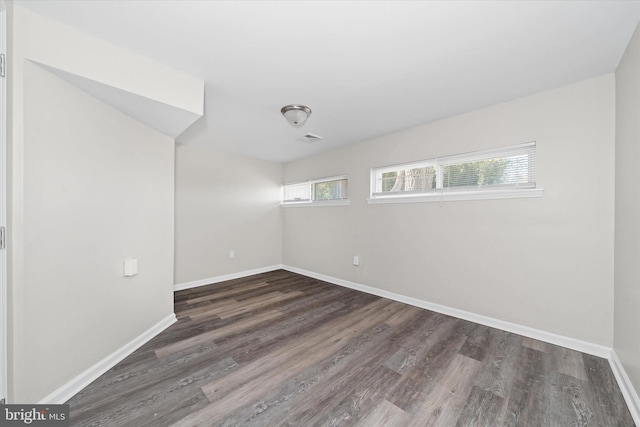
x,y
70,50
627,220
546,263
89,187
161,97
225,202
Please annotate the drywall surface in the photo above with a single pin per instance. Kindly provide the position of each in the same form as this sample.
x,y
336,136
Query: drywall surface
x,y
89,187
152,93
546,263
69,50
627,220
225,203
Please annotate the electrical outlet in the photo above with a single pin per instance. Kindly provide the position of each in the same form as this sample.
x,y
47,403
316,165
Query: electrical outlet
x,y
130,267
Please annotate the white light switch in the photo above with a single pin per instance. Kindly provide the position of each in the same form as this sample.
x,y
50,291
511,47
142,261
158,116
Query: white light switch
x,y
356,260
130,267
232,253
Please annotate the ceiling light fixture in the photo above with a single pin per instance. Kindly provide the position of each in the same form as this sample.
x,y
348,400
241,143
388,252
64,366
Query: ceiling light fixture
x,y
296,115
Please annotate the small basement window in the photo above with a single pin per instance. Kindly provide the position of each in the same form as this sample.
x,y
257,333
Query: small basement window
x,y
318,192
508,172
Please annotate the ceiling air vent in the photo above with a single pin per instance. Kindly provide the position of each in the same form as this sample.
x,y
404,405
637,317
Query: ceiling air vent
x,y
309,138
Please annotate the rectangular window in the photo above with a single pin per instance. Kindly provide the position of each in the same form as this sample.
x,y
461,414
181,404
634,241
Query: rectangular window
x,y
323,191
407,179
499,173
330,190
297,193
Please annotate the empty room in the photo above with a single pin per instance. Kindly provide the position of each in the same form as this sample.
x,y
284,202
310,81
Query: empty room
x,y
319,213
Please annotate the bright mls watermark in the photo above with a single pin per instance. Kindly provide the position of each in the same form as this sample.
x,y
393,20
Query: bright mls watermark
x,y
34,415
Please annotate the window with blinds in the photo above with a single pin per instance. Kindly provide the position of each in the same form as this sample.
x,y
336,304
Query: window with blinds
x,y
296,193
323,191
496,173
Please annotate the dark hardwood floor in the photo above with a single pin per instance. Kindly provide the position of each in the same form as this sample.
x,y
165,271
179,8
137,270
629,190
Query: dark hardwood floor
x,y
280,349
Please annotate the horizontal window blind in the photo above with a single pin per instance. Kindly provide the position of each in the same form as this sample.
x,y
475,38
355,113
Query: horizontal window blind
x,y
297,193
414,178
507,168
504,168
316,190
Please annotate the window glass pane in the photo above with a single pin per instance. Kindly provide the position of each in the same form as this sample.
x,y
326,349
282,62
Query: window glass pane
x,y
412,180
330,190
519,169
297,192
499,171
494,169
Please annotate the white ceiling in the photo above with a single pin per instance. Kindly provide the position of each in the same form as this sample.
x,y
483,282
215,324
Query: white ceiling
x,y
167,119
365,68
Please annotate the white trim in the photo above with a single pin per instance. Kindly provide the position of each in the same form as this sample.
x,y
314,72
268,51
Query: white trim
x,y
224,277
568,342
317,180
411,165
442,193
3,205
626,387
312,197
473,156
315,204
522,193
465,156
68,390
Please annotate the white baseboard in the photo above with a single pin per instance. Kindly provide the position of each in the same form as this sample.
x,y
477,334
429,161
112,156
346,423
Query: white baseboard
x,y
217,279
627,389
572,343
68,390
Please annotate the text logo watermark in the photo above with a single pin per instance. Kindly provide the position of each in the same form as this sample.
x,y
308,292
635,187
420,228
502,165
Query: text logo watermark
x,y
34,415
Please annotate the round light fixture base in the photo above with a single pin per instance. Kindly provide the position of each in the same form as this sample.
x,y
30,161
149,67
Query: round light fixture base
x,y
296,115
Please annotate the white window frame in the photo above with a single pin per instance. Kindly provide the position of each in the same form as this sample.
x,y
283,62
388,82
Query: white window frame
x,y
3,205
441,193
312,202
376,190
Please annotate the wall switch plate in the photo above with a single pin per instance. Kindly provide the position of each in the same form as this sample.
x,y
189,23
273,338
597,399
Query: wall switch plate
x,y
356,260
130,267
232,253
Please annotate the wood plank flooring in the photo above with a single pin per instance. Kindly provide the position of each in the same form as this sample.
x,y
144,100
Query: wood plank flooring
x,y
280,349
